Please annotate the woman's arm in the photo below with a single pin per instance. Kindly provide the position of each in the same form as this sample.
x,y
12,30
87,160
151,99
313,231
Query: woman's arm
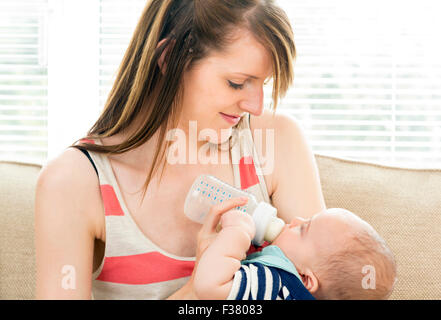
x,y
297,189
65,227
293,178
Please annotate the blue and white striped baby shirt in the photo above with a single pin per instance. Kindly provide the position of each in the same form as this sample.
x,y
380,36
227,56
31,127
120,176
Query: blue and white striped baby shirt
x,y
268,275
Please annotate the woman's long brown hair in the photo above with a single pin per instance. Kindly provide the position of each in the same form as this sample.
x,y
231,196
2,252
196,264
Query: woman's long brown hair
x,y
191,29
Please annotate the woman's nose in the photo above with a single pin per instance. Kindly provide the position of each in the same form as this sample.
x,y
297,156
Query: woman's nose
x,y
253,102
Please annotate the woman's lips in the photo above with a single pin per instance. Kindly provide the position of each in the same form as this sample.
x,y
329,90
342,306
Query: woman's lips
x,y
230,118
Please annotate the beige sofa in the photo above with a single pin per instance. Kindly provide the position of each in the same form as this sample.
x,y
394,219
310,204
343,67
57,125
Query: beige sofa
x,y
403,205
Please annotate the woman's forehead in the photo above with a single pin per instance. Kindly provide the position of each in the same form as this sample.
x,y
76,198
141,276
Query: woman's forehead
x,y
247,68
245,55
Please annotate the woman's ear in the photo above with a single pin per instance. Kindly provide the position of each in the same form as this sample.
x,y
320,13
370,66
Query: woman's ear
x,y
161,61
310,281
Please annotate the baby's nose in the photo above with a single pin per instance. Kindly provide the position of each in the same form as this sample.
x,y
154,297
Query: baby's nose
x,y
297,221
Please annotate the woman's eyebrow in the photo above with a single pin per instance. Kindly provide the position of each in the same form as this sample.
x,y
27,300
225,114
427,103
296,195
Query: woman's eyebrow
x,y
247,75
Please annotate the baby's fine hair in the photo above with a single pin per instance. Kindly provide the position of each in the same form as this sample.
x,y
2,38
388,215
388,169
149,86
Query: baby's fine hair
x,y
364,269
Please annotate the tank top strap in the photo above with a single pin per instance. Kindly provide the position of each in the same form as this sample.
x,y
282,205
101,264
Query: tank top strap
x,y
247,171
98,162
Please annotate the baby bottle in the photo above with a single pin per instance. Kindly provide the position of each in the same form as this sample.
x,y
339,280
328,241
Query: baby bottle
x,y
207,191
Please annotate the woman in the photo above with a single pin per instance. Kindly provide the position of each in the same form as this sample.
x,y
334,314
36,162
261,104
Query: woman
x,y
109,211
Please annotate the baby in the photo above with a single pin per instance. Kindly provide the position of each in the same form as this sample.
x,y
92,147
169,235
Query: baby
x,y
334,255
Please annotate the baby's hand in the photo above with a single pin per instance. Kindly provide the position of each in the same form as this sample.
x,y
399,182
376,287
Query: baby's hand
x,y
239,219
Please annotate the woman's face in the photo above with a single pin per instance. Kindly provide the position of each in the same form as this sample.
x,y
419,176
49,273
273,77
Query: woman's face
x,y
227,83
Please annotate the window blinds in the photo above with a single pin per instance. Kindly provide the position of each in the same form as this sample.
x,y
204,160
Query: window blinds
x,y
117,24
367,76
368,79
23,80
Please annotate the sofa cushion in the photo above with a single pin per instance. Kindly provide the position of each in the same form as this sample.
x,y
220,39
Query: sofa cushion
x,y
17,251
404,206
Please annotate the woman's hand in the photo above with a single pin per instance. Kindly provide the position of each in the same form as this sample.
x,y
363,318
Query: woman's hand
x,y
204,238
208,231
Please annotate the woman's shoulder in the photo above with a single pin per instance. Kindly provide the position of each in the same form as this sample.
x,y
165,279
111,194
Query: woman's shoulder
x,y
70,166
278,130
272,134
70,183
279,121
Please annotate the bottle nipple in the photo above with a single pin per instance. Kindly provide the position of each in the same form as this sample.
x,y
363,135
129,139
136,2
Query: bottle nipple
x,y
274,228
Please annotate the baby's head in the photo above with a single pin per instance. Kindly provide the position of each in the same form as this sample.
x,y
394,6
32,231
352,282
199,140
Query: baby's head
x,y
339,256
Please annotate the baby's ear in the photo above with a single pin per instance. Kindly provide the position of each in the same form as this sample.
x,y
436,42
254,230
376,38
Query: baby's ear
x,y
310,281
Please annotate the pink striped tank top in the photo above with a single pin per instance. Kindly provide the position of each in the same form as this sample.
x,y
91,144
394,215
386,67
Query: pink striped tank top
x,y
133,266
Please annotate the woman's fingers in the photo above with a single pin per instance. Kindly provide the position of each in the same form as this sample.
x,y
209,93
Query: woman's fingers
x,y
213,217
208,230
235,218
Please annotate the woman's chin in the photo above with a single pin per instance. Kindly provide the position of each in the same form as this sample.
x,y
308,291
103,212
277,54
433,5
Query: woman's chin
x,y
222,136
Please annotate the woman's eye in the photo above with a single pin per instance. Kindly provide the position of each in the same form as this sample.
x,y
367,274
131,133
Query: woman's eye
x,y
235,86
